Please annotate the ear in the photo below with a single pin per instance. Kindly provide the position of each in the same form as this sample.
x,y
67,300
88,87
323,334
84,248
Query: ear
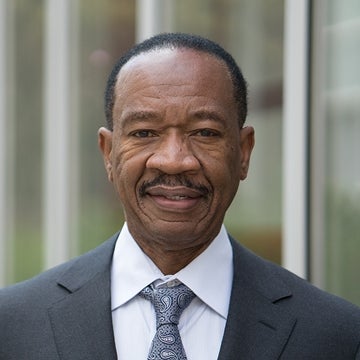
x,y
247,142
105,145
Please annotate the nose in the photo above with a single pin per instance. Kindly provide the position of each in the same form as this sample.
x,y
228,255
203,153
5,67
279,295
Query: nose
x,y
173,155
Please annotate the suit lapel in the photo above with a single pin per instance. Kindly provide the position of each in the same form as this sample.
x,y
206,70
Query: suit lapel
x,y
81,321
257,326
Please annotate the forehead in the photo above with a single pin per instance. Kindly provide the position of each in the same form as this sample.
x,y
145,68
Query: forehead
x,y
173,67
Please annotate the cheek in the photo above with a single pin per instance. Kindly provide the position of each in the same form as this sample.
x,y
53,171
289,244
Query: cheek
x,y
128,169
223,175
225,163
234,159
230,174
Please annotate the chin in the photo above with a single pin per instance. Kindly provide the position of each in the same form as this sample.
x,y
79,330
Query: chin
x,y
180,233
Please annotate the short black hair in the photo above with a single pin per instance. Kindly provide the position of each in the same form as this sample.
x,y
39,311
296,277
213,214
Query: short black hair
x,y
179,41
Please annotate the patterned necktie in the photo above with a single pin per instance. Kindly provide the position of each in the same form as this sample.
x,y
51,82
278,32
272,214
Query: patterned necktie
x,y
169,303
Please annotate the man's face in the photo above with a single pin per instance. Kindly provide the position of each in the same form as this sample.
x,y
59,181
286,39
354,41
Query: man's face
x,y
176,153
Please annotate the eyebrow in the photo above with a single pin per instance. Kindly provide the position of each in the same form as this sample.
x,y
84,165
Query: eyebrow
x,y
138,116
208,115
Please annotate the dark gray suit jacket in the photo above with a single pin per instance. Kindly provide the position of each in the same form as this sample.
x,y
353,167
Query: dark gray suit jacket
x,y
65,314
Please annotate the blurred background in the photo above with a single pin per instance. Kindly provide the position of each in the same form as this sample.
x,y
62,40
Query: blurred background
x,y
300,205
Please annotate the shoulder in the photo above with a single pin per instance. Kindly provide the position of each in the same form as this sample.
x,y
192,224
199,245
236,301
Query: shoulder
x,y
312,306
46,287
26,307
321,325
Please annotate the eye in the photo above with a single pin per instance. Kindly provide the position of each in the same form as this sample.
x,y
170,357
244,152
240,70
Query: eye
x,y
206,133
143,133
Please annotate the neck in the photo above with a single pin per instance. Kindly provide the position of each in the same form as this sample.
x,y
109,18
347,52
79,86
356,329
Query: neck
x,y
170,262
174,248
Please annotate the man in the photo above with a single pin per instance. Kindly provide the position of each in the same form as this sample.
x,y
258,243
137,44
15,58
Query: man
x,y
175,148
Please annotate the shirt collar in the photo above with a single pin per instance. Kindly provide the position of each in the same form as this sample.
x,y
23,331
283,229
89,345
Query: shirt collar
x,y
212,284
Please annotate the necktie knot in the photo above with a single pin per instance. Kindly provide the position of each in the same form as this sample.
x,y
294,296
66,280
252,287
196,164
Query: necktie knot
x,y
169,302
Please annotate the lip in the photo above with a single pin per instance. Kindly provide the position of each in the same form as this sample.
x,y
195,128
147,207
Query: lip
x,y
174,198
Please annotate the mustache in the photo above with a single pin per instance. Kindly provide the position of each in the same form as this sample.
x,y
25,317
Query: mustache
x,y
173,180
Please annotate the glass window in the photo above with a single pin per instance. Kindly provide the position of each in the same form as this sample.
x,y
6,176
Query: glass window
x,y
28,77
335,148
107,29
103,30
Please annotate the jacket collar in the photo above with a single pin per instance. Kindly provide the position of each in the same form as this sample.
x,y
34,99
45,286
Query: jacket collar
x,y
258,327
81,321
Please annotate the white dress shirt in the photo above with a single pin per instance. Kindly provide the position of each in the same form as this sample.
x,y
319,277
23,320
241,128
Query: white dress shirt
x,y
201,324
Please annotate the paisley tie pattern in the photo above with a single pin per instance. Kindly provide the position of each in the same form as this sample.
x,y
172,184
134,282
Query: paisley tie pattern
x,y
169,303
